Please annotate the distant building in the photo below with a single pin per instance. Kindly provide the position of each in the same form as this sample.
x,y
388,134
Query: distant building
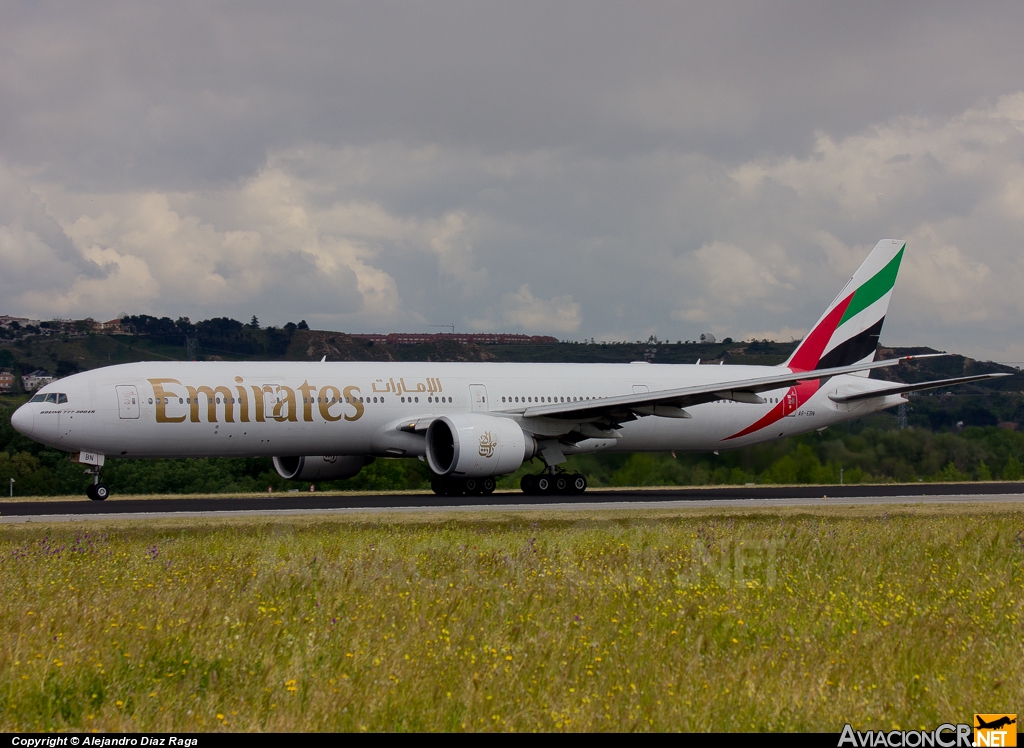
x,y
477,338
6,380
111,327
5,321
35,380
61,326
706,337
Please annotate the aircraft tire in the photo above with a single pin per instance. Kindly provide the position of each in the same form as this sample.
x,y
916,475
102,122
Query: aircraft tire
x,y
528,484
578,483
562,484
100,492
487,486
443,486
545,485
91,492
472,487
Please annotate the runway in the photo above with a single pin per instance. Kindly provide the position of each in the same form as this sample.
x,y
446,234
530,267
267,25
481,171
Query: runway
x,y
649,498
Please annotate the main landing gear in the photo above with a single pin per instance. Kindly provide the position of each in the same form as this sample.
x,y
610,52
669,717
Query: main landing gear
x,y
554,482
447,486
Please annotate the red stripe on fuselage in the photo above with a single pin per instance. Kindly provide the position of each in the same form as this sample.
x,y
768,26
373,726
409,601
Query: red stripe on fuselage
x,y
804,392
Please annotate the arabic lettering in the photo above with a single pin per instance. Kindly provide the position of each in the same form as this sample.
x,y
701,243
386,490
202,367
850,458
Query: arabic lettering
x,y
429,386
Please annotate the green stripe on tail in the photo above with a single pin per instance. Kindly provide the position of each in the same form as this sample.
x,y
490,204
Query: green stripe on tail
x,y
875,288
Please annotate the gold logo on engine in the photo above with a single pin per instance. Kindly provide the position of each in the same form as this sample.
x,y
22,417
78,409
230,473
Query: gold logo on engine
x,y
487,444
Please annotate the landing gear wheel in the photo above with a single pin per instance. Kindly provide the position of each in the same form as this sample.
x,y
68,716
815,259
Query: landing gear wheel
x,y
98,492
578,484
472,487
545,485
444,486
528,484
487,486
561,484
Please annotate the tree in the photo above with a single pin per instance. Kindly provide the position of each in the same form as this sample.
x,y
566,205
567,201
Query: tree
x,y
303,325
7,359
66,368
254,323
1013,470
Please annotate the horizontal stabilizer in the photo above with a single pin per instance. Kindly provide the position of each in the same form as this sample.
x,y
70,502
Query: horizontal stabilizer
x,y
901,388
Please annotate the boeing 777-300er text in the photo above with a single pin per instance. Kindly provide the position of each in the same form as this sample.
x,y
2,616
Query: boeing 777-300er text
x,y
472,422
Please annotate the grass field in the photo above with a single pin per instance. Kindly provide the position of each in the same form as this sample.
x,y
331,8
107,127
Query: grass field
x,y
661,620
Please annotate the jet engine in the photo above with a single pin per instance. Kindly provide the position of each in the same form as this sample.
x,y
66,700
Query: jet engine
x,y
326,467
475,445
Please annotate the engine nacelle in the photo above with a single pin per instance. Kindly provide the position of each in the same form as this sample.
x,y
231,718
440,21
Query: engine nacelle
x,y
475,445
326,467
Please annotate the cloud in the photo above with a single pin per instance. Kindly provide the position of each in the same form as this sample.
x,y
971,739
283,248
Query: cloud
x,y
733,275
682,170
950,186
523,311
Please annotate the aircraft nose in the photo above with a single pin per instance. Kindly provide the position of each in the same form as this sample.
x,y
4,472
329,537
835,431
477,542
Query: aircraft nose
x,y
23,420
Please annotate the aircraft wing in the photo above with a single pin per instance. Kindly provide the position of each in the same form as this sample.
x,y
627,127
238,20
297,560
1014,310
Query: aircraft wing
x,y
900,388
670,403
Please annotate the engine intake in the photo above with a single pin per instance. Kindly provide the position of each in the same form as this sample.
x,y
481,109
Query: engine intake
x,y
326,467
475,445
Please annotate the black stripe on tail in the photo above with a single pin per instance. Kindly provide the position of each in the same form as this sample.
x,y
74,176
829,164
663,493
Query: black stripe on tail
x,y
857,348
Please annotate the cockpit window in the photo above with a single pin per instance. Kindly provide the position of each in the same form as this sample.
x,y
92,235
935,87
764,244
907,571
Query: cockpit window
x,y
50,397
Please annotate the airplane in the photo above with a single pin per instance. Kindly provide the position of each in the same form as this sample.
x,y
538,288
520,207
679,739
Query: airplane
x,y
473,422
995,724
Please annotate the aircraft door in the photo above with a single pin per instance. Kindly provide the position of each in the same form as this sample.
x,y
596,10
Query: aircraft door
x,y
478,397
272,405
790,402
127,401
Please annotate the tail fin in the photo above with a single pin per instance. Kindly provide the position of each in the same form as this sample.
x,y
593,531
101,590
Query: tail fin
x,y
848,331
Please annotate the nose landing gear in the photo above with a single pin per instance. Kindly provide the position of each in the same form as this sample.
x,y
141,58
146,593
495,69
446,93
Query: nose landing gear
x,y
96,491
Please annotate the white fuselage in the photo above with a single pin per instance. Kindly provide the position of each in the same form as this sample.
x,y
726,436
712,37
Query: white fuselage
x,y
225,409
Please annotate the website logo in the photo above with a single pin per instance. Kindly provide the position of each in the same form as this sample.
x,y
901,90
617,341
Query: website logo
x,y
995,730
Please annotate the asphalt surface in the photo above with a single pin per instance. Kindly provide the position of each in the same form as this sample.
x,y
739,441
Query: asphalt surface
x,y
291,503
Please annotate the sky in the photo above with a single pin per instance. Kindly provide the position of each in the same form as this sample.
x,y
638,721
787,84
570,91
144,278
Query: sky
x,y
577,169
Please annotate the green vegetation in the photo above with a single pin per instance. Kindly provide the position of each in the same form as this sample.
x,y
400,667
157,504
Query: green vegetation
x,y
773,620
